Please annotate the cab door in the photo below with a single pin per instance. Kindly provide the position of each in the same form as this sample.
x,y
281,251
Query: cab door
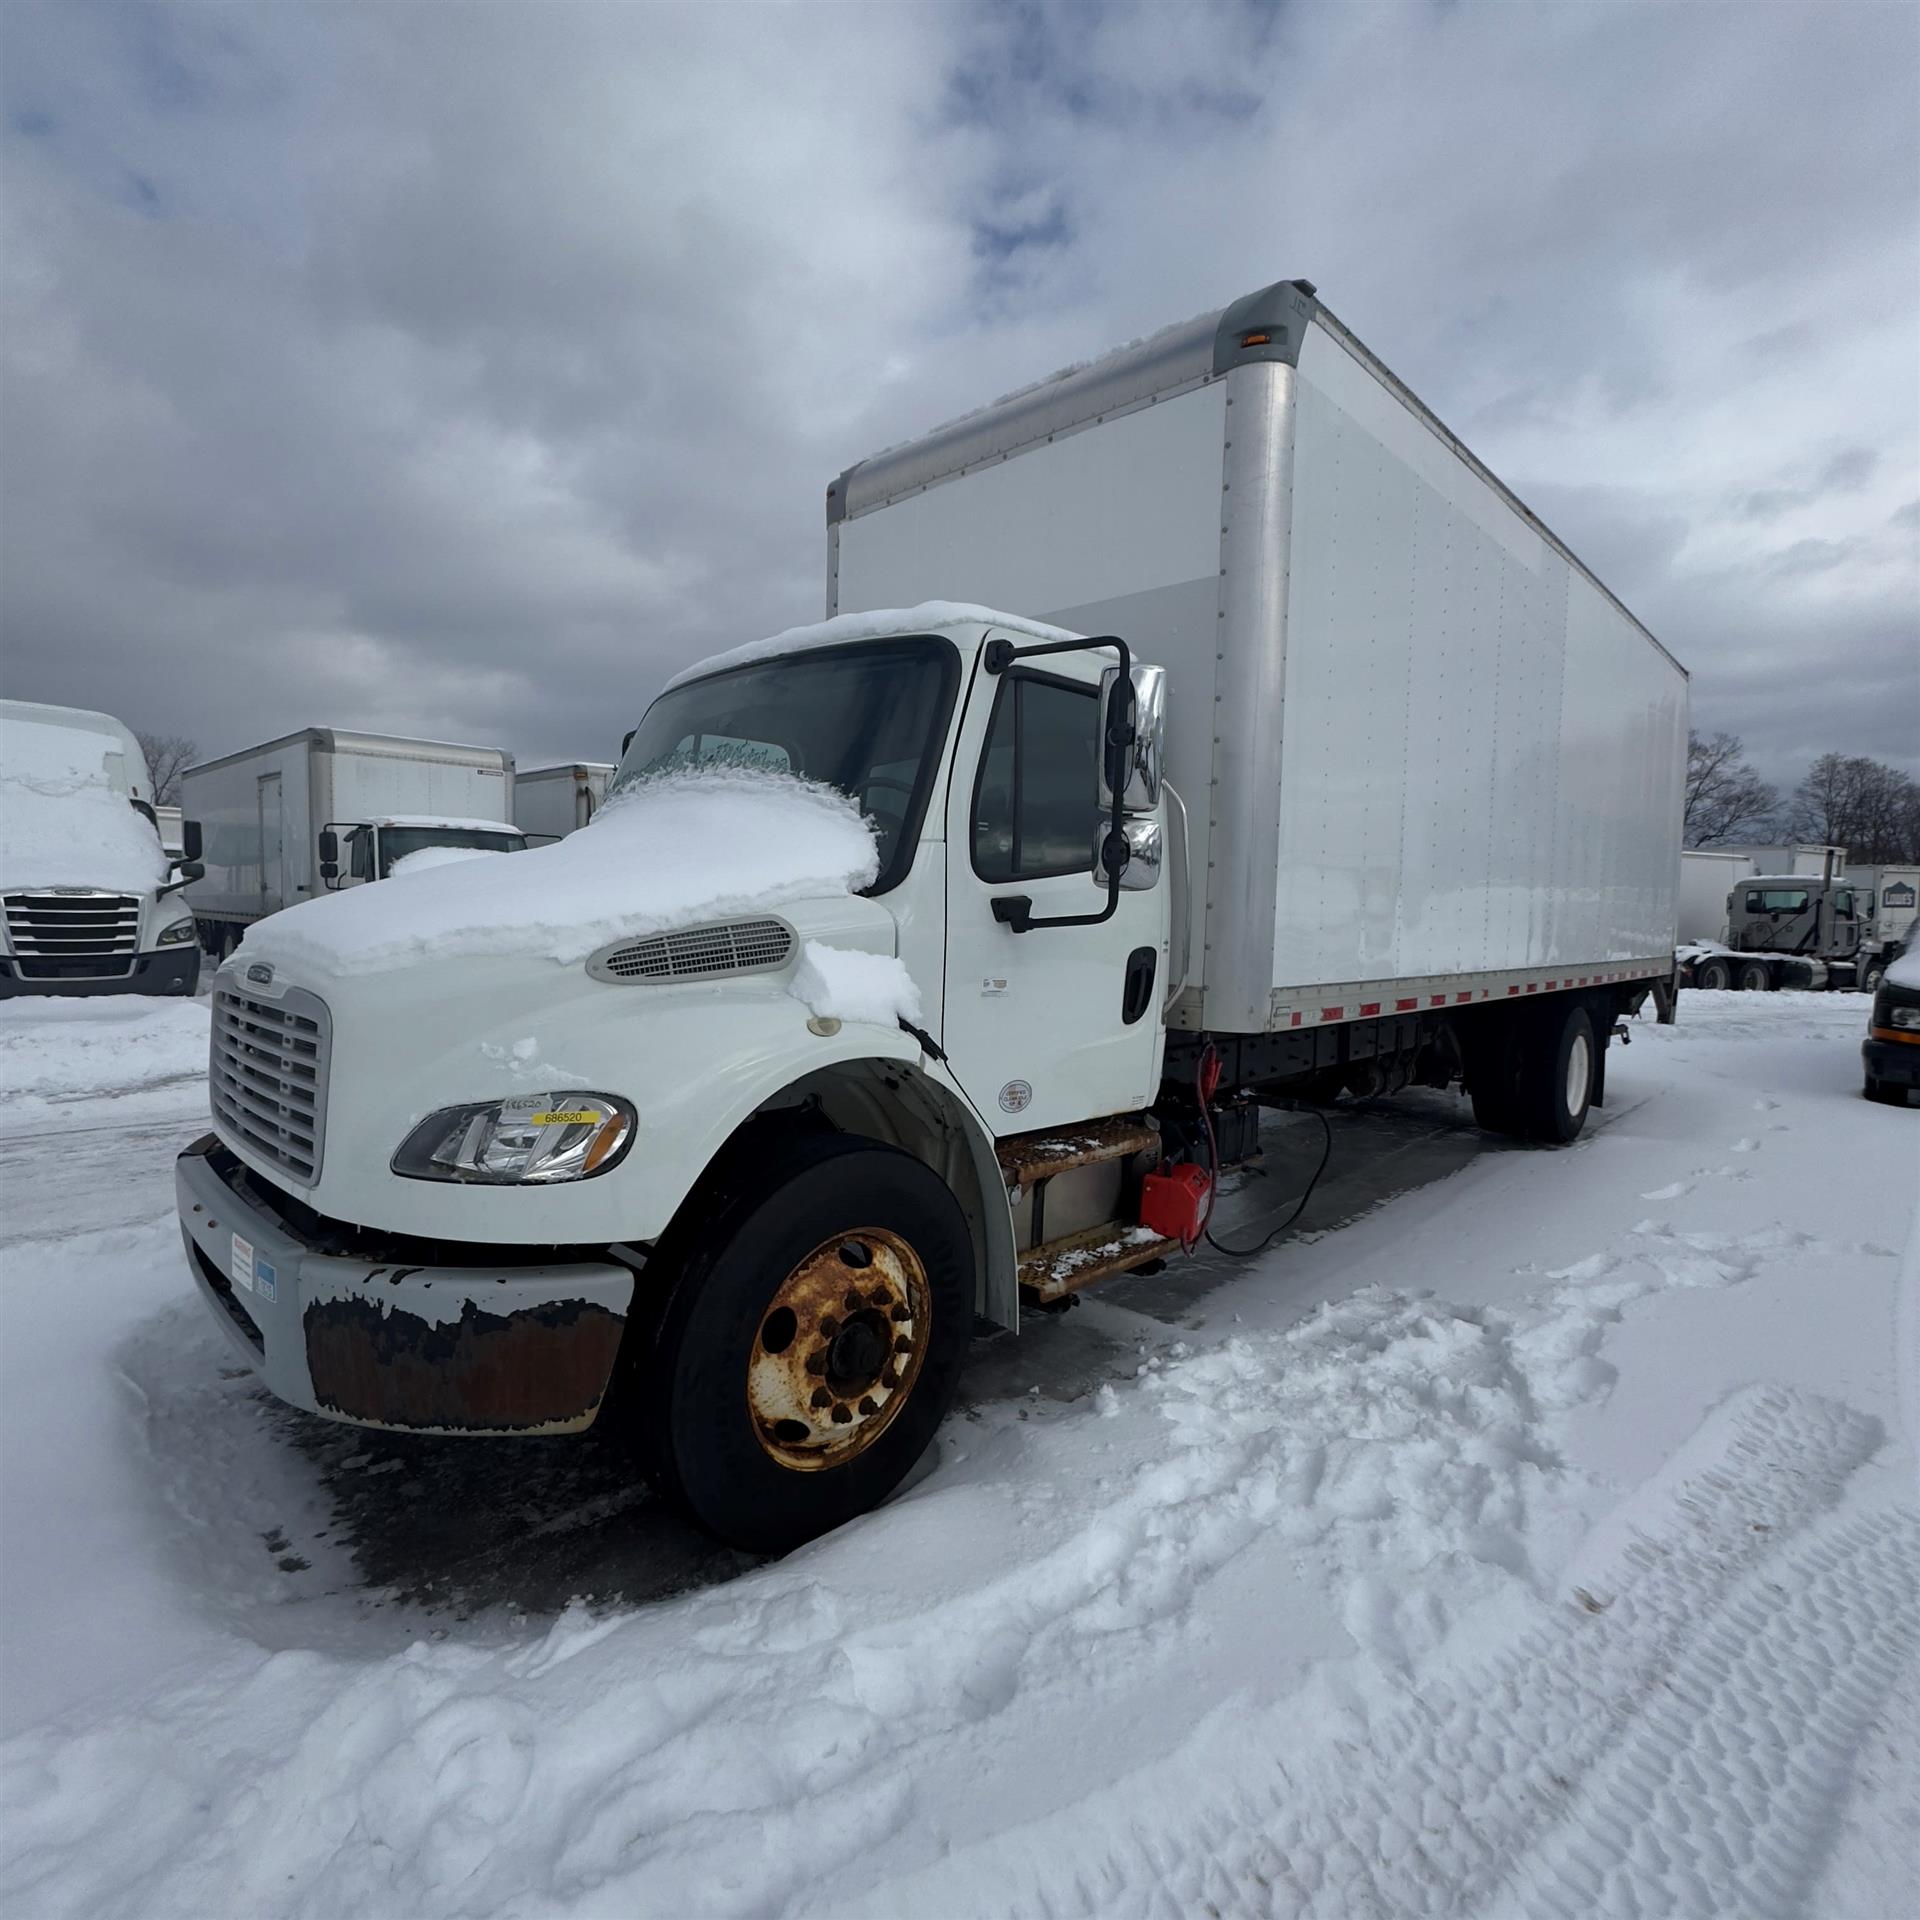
x,y
1053,1025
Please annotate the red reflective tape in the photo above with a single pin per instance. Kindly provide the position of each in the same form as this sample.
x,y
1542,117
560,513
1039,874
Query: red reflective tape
x,y
1513,989
1372,1006
1296,1019
1461,999
1332,1013
1406,1006
1533,986
1436,999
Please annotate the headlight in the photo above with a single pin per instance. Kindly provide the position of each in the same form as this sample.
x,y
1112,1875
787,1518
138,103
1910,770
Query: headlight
x,y
538,1140
176,935
1908,1017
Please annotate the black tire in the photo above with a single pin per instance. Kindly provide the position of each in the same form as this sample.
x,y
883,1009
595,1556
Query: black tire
x,y
689,1388
1884,1092
1559,1068
1715,976
1871,975
1754,977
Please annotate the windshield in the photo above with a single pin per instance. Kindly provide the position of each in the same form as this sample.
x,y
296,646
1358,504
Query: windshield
x,y
868,719
397,842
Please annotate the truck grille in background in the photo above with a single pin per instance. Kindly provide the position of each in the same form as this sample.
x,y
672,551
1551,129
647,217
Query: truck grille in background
x,y
737,946
268,1078
73,936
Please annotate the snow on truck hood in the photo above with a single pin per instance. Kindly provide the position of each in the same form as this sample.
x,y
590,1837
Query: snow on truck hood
x,y
61,822
673,851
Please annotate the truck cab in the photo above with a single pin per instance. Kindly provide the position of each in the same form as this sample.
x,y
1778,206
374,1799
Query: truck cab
x,y
1790,930
354,852
91,896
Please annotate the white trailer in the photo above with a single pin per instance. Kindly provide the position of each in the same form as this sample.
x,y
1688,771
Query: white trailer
x,y
1707,879
1334,771
1425,754
263,812
91,899
1889,900
551,802
1805,859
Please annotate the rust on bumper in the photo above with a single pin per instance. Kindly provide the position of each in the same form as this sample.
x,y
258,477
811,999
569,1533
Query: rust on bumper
x,y
542,1369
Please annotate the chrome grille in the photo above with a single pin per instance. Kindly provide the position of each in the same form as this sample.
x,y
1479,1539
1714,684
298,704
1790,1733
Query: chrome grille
x,y
696,953
267,1080
73,933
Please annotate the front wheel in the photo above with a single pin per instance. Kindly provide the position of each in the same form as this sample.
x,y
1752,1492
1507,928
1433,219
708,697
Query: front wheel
x,y
1871,976
812,1345
1715,976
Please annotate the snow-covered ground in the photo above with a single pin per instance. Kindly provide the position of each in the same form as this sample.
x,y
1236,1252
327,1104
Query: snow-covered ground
x,y
1533,1533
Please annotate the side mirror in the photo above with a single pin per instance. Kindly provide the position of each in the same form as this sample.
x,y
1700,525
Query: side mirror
x,y
330,849
190,839
626,740
1134,737
1141,854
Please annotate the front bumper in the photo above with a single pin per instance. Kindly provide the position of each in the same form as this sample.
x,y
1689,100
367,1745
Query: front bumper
x,y
432,1349
1892,1061
174,971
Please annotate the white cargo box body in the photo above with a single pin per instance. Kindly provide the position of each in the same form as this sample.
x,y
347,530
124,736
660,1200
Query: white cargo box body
x,y
558,800
261,811
1423,751
1707,878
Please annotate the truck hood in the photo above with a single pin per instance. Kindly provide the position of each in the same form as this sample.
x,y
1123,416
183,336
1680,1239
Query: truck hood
x,y
679,850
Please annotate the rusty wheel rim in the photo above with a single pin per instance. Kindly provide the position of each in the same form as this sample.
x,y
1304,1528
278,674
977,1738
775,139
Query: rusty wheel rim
x,y
838,1349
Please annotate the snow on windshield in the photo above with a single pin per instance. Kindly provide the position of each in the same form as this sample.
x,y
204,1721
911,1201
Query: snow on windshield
x,y
425,859
1905,972
673,851
61,822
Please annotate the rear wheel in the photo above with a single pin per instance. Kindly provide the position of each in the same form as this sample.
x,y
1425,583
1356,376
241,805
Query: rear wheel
x,y
1557,1073
1754,977
1714,975
812,1345
1871,975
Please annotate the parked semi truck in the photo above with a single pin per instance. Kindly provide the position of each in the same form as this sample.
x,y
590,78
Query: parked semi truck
x,y
91,898
551,802
323,809
1789,930
1310,761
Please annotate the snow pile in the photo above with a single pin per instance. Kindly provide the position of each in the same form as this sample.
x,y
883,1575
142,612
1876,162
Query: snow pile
x,y
671,851
882,624
837,984
430,857
459,823
1905,972
61,823
53,1051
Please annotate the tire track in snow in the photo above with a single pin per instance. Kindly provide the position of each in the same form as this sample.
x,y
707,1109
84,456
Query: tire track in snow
x,y
1673,1741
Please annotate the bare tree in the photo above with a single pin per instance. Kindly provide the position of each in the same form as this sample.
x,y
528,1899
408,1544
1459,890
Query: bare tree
x,y
1725,797
169,755
1866,806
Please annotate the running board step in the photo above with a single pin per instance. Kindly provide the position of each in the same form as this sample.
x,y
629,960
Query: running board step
x,y
1027,1157
1057,1268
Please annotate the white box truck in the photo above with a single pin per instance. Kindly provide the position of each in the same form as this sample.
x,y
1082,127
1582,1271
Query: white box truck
x,y
1888,898
91,898
1310,761
274,818
551,802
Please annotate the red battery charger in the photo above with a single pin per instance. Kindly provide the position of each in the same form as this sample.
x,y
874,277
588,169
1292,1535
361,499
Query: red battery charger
x,y
1174,1203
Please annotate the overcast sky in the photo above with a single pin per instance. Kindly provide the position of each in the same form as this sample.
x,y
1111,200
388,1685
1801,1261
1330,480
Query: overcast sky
x,y
464,370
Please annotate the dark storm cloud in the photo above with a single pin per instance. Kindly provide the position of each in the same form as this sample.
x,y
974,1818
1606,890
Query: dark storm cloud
x,y
466,369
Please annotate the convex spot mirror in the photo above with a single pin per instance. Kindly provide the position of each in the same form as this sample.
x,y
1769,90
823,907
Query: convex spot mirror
x,y
1140,852
1133,766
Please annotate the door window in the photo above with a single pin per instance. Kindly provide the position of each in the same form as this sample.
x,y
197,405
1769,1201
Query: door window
x,y
1035,806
